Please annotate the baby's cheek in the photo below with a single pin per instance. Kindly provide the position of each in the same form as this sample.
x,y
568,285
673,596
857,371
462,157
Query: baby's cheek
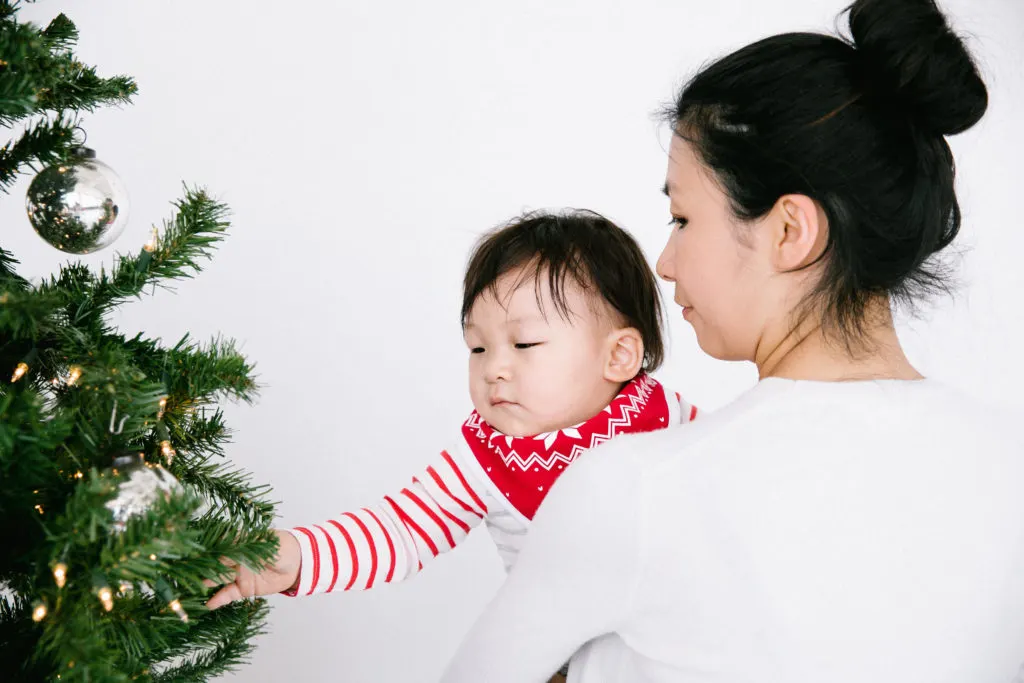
x,y
540,377
478,396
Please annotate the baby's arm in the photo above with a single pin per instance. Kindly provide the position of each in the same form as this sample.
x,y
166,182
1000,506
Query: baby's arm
x,y
392,540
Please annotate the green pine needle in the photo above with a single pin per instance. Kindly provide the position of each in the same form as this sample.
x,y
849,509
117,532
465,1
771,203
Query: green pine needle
x,y
89,394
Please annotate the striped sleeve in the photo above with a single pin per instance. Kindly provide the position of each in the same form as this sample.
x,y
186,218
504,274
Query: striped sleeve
x,y
392,540
687,411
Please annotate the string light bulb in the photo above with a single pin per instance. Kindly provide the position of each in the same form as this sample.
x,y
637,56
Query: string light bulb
x,y
107,598
60,574
38,612
176,607
163,408
168,451
150,246
19,371
74,374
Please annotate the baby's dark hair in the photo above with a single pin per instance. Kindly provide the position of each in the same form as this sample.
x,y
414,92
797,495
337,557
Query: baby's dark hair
x,y
599,256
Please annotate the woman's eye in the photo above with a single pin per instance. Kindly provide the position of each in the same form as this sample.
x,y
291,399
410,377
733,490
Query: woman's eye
x,y
679,222
527,346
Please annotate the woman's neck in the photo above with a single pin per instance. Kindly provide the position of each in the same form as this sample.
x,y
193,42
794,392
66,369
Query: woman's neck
x,y
807,353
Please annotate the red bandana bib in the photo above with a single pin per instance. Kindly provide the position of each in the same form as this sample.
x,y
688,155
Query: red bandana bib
x,y
523,468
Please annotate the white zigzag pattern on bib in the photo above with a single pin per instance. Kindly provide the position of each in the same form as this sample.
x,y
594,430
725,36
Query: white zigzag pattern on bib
x,y
629,409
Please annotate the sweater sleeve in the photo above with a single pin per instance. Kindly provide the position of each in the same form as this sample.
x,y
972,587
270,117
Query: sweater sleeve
x,y
575,578
687,411
393,539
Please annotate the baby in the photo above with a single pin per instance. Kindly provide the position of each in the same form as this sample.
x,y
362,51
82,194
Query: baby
x,y
562,318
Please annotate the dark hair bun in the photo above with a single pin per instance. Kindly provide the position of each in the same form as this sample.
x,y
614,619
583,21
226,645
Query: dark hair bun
x,y
909,52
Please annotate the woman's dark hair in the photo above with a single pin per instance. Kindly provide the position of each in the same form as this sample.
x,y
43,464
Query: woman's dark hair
x,y
858,125
599,256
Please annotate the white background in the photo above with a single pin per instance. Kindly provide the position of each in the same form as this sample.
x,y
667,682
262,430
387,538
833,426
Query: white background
x,y
363,147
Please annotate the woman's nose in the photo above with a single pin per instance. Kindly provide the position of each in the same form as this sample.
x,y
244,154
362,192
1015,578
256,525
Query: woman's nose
x,y
664,266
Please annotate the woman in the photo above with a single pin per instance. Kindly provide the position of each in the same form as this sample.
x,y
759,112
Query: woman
x,y
847,519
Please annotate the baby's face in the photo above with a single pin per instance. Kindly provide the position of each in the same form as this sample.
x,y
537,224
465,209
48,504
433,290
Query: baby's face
x,y
530,370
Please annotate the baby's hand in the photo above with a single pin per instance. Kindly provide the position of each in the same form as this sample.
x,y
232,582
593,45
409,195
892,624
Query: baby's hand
x,y
280,576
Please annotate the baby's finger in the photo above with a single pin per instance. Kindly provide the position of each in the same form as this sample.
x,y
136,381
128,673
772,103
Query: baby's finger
x,y
225,577
246,582
227,594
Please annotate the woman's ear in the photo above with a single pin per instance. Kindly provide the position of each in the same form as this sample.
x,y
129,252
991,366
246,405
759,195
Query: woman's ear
x,y
799,234
625,355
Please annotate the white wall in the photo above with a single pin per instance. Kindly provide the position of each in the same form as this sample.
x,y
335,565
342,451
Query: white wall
x,y
363,146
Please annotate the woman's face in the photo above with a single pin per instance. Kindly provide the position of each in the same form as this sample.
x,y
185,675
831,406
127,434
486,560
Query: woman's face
x,y
722,279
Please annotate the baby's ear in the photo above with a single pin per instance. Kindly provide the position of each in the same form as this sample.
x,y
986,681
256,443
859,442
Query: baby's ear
x,y
625,355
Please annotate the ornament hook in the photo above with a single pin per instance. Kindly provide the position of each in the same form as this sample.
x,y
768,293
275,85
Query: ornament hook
x,y
113,421
78,149
77,128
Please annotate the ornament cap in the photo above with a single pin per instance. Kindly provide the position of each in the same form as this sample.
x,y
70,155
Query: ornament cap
x,y
83,152
126,459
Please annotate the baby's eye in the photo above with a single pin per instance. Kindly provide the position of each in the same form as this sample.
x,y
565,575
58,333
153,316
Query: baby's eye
x,y
679,222
477,349
527,345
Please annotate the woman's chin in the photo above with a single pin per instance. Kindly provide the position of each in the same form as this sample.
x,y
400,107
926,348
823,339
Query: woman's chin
x,y
713,346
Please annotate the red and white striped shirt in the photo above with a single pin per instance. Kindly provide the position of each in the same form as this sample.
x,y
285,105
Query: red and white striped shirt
x,y
487,477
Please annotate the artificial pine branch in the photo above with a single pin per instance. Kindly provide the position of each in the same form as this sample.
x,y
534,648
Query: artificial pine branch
x,y
67,84
199,224
75,393
20,46
43,143
239,626
9,278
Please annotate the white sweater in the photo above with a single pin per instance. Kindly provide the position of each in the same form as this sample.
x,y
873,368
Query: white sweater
x,y
811,532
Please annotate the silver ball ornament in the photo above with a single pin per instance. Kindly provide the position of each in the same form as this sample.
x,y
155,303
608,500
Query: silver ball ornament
x,y
142,484
79,206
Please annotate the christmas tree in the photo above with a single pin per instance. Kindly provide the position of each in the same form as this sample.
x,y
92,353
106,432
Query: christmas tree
x,y
116,501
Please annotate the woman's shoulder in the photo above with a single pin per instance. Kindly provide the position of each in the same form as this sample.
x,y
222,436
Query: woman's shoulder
x,y
779,415
775,407
912,401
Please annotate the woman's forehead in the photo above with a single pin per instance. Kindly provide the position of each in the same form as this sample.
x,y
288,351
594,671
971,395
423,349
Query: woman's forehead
x,y
683,169
689,180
